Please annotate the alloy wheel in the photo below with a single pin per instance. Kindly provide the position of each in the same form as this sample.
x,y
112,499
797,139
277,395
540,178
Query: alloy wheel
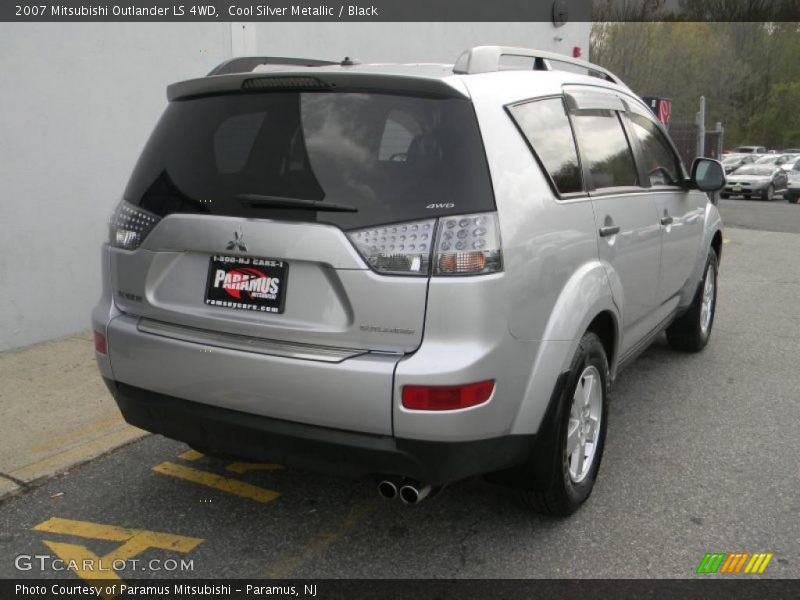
x,y
583,427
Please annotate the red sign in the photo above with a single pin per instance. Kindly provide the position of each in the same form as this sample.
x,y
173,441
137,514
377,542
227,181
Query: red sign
x,y
664,109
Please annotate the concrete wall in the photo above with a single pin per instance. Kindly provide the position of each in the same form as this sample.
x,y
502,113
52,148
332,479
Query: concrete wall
x,y
80,99
411,42
77,104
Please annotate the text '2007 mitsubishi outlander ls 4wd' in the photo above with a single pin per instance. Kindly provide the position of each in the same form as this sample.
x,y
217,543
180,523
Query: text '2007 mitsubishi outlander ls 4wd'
x,y
417,272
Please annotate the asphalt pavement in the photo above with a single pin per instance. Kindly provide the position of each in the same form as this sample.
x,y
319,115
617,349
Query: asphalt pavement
x,y
700,457
774,215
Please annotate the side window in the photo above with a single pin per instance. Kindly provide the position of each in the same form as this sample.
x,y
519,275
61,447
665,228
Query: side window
x,y
660,162
605,148
545,125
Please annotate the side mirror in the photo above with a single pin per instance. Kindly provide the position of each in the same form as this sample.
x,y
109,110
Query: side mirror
x,y
707,175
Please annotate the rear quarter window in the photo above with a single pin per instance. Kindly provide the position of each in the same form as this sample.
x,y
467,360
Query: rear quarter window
x,y
545,125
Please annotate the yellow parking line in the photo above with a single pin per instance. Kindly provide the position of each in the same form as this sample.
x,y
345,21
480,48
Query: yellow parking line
x,y
726,241
191,455
83,562
232,486
246,467
95,531
320,543
112,533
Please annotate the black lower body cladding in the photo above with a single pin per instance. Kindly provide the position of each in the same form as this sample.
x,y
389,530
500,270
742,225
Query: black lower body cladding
x,y
315,448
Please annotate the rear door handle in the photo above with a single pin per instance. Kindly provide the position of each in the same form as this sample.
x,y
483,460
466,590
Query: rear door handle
x,y
666,220
609,230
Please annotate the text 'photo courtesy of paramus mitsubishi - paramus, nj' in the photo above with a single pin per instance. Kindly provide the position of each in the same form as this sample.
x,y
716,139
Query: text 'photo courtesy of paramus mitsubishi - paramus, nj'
x,y
420,273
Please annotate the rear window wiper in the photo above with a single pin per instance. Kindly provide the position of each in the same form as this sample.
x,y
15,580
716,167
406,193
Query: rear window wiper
x,y
297,203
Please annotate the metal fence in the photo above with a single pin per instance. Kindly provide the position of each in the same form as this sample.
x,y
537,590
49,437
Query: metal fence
x,y
685,137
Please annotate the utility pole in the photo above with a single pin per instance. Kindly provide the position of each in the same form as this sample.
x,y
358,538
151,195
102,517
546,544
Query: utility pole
x,y
700,120
720,139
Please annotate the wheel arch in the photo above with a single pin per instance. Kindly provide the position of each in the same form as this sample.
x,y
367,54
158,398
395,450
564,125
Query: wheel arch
x,y
585,304
605,326
716,245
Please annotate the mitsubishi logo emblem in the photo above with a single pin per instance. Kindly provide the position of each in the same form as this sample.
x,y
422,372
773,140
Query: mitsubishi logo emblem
x,y
237,243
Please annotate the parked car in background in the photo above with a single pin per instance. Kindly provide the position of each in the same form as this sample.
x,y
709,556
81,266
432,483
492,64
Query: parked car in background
x,y
761,181
750,150
788,165
792,192
731,162
774,159
792,151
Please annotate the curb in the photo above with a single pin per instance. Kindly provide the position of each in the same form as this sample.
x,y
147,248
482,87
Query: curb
x,y
38,473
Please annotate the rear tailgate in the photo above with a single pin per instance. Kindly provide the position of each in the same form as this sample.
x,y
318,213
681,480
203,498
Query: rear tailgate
x,y
330,297
245,227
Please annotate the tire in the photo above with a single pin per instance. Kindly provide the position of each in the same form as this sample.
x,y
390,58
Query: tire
x,y
768,193
557,487
724,196
690,333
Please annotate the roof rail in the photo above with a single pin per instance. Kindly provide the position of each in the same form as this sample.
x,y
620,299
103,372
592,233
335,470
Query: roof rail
x,y
486,59
245,64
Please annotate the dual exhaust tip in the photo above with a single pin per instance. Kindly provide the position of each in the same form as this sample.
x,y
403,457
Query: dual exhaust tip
x,y
410,492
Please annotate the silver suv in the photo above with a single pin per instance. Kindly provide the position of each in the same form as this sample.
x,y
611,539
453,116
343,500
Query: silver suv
x,y
417,272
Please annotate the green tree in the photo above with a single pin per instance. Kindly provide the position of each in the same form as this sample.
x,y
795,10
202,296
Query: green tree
x,y
745,71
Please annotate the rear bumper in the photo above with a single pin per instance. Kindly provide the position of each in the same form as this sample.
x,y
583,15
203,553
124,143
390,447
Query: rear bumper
x,y
312,447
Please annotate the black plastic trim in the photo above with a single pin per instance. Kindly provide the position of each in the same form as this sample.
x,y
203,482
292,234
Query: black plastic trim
x,y
312,447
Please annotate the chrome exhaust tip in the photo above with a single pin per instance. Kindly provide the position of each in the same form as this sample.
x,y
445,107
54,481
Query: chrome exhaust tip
x,y
412,493
387,489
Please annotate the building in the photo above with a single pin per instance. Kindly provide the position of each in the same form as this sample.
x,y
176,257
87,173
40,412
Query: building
x,y
80,99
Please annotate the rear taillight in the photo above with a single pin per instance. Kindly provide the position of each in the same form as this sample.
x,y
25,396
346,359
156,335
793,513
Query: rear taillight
x,y
449,397
130,225
100,345
401,249
468,245
458,245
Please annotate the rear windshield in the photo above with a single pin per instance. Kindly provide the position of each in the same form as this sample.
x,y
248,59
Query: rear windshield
x,y
392,158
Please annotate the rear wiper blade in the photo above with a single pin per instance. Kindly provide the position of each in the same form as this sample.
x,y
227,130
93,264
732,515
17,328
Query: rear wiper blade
x,y
297,203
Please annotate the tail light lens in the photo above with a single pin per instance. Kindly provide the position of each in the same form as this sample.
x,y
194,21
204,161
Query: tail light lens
x,y
100,345
468,245
401,249
457,245
130,225
451,397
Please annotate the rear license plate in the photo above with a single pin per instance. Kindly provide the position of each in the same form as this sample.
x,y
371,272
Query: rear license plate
x,y
247,283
